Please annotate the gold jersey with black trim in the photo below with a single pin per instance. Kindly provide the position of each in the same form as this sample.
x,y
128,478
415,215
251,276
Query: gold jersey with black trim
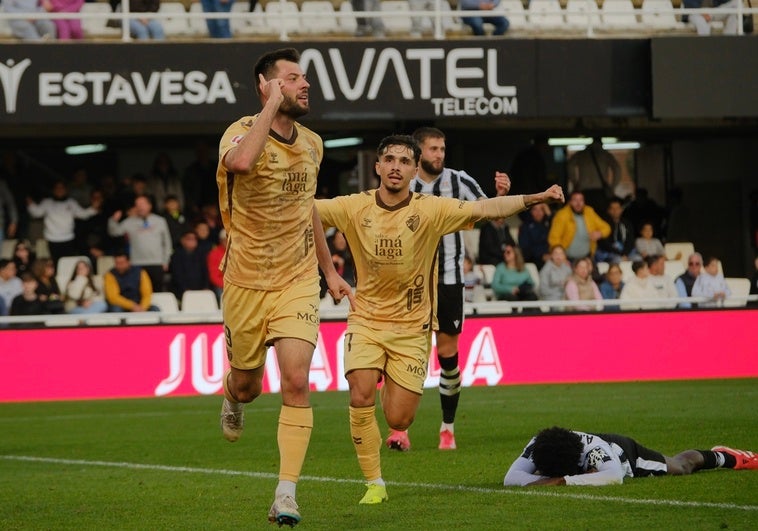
x,y
267,213
395,249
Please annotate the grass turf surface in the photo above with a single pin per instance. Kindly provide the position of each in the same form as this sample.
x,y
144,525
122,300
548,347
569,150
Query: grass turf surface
x,y
162,463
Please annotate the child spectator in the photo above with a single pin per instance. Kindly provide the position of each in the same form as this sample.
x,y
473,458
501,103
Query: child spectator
x,y
471,279
647,245
611,286
47,286
82,296
553,275
711,283
10,285
28,301
581,287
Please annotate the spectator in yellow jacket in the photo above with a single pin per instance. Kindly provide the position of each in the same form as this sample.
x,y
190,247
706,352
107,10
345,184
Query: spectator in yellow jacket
x,y
577,227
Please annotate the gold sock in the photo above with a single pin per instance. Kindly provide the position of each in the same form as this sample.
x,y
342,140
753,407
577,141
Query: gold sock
x,y
227,393
367,440
293,436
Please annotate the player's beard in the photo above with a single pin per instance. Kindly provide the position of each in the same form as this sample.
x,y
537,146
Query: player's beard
x,y
430,167
292,108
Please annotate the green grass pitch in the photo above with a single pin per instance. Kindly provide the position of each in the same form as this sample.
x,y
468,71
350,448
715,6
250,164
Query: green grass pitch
x,y
162,463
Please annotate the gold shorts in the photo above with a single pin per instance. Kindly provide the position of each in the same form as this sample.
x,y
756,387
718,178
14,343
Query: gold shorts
x,y
253,319
402,357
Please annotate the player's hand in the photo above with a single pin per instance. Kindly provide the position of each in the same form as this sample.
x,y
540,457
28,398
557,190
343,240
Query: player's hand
x,y
554,194
271,89
502,183
339,288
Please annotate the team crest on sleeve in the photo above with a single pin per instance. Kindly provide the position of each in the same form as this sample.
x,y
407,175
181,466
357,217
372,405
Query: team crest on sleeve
x,y
596,456
413,222
236,139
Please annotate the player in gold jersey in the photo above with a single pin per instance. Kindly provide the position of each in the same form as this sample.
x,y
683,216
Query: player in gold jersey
x,y
393,235
266,176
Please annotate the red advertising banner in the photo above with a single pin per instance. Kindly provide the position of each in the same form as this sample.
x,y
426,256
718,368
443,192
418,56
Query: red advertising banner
x,y
174,360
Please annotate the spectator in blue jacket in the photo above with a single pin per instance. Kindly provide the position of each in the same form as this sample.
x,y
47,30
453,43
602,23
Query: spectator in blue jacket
x,y
477,21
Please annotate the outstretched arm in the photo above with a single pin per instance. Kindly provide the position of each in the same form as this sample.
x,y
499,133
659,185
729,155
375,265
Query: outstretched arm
x,y
505,206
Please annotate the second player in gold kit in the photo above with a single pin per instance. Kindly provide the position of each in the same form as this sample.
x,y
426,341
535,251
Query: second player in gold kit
x,y
393,235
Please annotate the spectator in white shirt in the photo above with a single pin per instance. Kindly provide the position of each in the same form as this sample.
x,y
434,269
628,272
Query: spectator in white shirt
x,y
711,283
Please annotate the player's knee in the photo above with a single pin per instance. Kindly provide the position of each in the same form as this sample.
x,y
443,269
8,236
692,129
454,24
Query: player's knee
x,y
684,463
247,393
295,381
398,420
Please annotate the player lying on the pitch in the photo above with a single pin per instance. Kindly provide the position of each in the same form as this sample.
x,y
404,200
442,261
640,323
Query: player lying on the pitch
x,y
557,456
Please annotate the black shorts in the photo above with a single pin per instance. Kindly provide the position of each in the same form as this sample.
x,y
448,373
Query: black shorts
x,y
644,461
450,308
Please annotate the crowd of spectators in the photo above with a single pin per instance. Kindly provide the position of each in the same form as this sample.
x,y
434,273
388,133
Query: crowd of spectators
x,y
177,248
572,254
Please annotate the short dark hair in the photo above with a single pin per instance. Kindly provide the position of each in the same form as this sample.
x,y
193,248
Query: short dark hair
x,y
399,140
267,63
652,259
637,265
556,452
422,133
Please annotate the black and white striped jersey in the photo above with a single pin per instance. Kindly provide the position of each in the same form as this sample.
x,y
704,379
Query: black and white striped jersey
x,y
456,184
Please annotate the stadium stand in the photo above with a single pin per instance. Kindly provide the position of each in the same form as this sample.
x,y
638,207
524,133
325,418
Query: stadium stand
x,y
176,25
6,250
618,15
166,301
740,288
395,17
199,301
471,243
320,16
674,248
546,15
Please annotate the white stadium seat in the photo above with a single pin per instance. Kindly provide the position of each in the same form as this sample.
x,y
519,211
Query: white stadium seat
x,y
199,301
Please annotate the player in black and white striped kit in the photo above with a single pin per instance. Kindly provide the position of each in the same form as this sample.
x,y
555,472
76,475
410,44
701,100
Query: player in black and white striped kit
x,y
434,178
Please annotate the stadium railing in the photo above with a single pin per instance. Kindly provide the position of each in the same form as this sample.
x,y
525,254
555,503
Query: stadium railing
x,y
440,18
339,312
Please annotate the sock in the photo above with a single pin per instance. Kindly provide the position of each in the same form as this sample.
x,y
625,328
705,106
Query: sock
x,y
227,392
450,387
717,459
293,436
367,441
285,488
447,427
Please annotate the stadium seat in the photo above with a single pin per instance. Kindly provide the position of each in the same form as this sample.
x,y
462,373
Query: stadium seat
x,y
546,14
580,13
105,263
166,301
626,270
252,23
199,301
41,248
284,16
197,25
740,288
602,267
395,20
619,15
674,268
176,25
515,13
5,28
685,249
320,16
6,250
346,19
97,26
534,273
471,243
658,15
488,272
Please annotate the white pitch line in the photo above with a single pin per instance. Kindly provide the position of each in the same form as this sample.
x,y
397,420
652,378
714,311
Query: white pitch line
x,y
458,488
